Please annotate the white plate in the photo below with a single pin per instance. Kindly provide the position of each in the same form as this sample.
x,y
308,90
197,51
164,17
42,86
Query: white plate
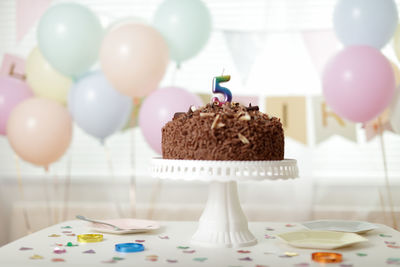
x,y
340,226
321,239
129,226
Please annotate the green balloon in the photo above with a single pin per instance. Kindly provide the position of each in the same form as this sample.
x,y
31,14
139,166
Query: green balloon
x,y
69,37
186,26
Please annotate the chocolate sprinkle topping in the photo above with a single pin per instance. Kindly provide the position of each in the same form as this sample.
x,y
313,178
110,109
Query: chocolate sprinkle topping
x,y
191,135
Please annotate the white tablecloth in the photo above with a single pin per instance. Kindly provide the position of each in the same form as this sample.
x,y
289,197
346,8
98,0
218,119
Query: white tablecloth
x,y
170,246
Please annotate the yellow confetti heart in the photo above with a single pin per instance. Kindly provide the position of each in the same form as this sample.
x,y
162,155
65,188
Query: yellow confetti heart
x,y
36,257
291,254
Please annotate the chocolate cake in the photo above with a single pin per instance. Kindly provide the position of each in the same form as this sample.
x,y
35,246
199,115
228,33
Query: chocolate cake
x,y
228,132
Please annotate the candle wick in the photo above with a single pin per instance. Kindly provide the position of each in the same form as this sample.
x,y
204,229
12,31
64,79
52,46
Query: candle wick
x,y
223,70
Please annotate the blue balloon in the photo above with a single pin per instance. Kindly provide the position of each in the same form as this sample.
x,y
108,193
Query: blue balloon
x,y
365,22
97,107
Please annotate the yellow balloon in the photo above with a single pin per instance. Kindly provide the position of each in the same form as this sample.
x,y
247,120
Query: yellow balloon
x,y
396,72
45,80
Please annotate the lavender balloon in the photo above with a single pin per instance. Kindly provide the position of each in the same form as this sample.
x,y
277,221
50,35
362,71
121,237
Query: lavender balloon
x,y
159,108
12,92
96,107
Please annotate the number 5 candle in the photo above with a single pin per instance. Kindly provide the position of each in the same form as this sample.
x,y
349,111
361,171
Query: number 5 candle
x,y
218,89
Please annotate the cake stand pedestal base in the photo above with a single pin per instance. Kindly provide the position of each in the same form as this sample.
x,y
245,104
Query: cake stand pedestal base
x,y
223,223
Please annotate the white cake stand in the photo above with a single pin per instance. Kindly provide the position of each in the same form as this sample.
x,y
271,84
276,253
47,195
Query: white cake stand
x,y
223,223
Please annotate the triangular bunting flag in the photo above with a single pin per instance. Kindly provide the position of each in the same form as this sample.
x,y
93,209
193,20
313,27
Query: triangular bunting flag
x,y
244,48
28,11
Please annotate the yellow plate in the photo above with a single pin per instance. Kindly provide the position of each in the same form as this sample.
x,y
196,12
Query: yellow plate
x,y
321,239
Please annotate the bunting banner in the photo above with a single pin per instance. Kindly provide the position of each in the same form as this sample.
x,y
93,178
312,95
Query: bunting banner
x,y
378,125
13,66
292,112
239,41
327,123
27,13
321,45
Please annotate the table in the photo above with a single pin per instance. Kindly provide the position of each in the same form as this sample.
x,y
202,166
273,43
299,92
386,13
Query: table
x,y
169,246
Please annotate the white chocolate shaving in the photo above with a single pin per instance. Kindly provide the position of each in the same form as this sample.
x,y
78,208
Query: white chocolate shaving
x,y
220,125
215,122
193,108
243,139
246,117
205,114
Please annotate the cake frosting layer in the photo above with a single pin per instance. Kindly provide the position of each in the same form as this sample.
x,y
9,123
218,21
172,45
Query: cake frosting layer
x,y
228,132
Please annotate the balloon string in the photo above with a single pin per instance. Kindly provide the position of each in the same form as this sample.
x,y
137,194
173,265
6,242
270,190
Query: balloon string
x,y
56,194
111,171
47,199
382,202
154,196
66,188
132,188
385,169
22,195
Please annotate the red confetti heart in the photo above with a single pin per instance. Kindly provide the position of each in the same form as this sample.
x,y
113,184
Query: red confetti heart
x,y
151,258
243,251
139,241
393,246
57,260
290,225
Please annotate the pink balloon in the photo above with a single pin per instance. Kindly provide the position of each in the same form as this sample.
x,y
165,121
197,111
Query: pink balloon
x,y
40,130
159,108
358,83
12,92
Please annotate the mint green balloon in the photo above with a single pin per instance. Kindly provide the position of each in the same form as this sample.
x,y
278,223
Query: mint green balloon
x,y
186,26
69,37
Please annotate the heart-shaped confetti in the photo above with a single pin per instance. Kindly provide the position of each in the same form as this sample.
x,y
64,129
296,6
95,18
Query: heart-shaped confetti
x,y
90,251
139,241
244,251
390,243
269,237
25,248
36,257
189,251
302,264
172,261
66,232
152,258
58,245
269,229
163,237
109,261
70,235
246,259
54,235
117,258
383,235
182,247
393,246
200,259
69,244
58,250
362,254
291,254
395,261
290,225
57,260
66,227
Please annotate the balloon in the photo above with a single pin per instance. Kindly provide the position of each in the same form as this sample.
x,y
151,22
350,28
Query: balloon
x,y
134,58
96,107
40,130
365,22
45,80
394,115
12,92
69,37
185,24
396,43
123,21
159,108
358,83
396,72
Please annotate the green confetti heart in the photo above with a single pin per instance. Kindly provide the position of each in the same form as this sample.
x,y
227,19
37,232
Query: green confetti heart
x,y
200,259
362,254
117,259
393,259
383,235
66,227
69,244
182,247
